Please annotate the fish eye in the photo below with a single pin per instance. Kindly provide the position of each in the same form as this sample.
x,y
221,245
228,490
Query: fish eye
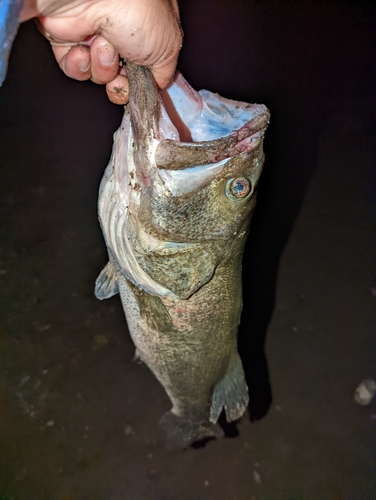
x,y
240,187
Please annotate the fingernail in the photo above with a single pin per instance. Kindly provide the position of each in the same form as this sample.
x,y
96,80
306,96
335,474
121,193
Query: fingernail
x,y
107,55
84,64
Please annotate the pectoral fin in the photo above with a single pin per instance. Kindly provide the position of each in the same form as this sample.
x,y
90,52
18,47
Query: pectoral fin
x,y
152,309
183,270
106,285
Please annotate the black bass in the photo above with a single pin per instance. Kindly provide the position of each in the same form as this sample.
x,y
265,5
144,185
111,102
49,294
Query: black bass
x,y
175,217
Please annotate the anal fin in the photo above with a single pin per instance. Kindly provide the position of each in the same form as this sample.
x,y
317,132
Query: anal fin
x,y
106,285
231,393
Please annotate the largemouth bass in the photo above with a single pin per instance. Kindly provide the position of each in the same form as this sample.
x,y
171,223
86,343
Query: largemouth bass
x,y
175,217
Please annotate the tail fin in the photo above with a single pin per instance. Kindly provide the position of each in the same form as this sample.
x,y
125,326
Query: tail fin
x,y
181,432
231,393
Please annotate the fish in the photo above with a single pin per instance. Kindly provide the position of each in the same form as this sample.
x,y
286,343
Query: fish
x,y
175,216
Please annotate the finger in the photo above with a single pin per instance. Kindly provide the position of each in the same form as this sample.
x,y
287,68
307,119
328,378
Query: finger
x,y
151,36
74,61
164,70
60,51
104,61
118,90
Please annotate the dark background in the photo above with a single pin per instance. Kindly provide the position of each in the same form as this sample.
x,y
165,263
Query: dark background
x,y
80,420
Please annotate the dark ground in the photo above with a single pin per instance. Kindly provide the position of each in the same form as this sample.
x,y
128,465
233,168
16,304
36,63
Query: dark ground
x,y
79,419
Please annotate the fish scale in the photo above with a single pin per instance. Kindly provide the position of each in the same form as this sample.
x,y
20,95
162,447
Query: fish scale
x,y
175,224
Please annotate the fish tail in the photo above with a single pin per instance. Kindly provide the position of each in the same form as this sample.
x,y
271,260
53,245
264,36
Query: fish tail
x,y
231,393
181,432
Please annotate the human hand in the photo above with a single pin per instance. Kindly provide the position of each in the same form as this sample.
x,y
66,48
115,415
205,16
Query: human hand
x,y
87,37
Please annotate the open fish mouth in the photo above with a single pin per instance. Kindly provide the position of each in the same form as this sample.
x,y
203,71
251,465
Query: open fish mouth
x,y
196,128
185,166
175,155
198,132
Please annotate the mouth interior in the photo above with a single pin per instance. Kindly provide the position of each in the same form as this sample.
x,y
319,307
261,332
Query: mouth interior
x,y
204,116
181,127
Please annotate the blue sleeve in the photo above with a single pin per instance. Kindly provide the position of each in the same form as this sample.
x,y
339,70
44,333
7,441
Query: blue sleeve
x,y
9,15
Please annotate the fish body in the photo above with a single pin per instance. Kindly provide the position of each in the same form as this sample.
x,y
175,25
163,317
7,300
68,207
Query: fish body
x,y
175,217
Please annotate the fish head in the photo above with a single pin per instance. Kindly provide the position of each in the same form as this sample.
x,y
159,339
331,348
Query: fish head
x,y
188,204
203,204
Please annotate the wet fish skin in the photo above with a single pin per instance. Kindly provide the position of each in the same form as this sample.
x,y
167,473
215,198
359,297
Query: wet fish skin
x,y
175,253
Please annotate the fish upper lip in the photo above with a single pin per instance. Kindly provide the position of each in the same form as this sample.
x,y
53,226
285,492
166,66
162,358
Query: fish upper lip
x,y
174,155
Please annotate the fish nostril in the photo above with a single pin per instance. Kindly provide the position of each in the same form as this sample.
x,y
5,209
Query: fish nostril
x,y
239,187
